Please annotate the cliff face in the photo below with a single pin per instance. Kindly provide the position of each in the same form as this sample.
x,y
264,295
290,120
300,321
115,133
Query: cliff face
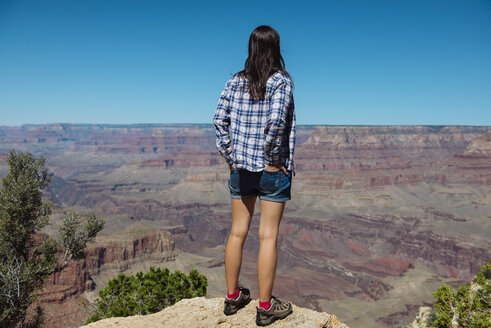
x,y
115,253
201,312
364,157
472,166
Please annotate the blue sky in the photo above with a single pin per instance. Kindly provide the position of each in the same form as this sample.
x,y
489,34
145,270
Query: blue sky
x,y
353,62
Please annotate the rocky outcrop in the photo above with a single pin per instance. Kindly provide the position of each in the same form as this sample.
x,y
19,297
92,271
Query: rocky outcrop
x,y
115,253
422,318
201,312
135,244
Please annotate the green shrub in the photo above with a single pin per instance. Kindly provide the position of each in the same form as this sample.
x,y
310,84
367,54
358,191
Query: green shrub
x,y
147,293
469,306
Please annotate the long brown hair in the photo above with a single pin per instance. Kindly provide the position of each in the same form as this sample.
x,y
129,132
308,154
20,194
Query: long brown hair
x,y
263,61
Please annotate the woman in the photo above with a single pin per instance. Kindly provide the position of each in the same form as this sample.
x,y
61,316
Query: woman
x,y
255,129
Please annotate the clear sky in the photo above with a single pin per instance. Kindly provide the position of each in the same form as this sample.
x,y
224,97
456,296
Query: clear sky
x,y
392,62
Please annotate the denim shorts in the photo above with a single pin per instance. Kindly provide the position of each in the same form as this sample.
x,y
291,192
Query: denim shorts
x,y
274,186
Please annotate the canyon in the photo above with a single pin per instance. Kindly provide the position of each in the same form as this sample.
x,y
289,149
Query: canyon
x,y
380,216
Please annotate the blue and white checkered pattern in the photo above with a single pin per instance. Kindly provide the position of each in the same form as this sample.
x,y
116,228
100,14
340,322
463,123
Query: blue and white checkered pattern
x,y
251,133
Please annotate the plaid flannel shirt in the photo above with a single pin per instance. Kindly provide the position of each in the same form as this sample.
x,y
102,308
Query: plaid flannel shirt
x,y
251,133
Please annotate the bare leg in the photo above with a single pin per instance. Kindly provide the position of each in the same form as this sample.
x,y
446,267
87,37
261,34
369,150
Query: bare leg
x,y
271,214
242,211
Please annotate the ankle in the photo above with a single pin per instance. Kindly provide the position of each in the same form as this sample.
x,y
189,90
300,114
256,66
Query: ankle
x,y
234,295
265,305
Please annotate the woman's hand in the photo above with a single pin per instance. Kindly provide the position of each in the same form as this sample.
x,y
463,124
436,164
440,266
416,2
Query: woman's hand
x,y
276,168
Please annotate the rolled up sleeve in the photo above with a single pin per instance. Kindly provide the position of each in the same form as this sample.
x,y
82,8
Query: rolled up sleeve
x,y
221,120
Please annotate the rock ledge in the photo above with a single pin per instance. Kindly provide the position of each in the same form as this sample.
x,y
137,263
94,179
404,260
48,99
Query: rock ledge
x,y
201,312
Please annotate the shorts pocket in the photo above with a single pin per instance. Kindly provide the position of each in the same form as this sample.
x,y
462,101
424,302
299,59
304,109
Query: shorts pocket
x,y
270,181
233,181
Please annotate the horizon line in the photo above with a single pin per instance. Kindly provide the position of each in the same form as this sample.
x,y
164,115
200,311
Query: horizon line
x,y
183,124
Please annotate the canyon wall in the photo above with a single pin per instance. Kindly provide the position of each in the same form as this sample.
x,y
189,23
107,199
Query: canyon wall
x,y
380,216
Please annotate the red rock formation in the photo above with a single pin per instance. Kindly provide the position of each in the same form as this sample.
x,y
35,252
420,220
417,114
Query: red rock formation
x,y
380,267
157,246
72,281
118,252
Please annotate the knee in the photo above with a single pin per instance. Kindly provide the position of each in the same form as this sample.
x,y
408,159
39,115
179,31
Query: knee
x,y
238,234
270,235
